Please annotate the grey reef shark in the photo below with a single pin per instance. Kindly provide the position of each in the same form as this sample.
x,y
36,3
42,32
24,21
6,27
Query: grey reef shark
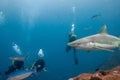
x,y
100,41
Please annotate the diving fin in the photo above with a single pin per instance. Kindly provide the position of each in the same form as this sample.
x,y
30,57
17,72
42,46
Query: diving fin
x,y
75,57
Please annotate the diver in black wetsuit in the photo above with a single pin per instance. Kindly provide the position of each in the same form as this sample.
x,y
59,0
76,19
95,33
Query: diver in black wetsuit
x,y
72,37
39,65
16,65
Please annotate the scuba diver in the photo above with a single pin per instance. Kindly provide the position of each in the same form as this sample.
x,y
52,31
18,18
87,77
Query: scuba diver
x,y
40,63
17,64
72,37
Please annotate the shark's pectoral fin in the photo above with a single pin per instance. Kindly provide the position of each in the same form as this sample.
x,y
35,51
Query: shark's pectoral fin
x,y
104,49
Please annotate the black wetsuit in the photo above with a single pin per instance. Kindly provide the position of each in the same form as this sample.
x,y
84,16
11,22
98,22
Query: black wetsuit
x,y
39,65
17,65
72,37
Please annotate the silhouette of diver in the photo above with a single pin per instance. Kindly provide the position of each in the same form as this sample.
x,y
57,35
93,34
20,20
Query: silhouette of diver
x,y
72,37
40,63
17,64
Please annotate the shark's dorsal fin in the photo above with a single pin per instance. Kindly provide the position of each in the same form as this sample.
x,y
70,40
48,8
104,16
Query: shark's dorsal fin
x,y
103,29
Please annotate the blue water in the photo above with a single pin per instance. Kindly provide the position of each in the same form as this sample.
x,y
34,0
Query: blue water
x,y
35,24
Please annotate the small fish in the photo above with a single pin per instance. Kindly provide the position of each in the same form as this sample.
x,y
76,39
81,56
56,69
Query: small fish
x,y
21,74
94,17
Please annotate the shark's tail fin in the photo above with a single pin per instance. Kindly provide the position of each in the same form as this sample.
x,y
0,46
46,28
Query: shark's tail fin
x,y
103,29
